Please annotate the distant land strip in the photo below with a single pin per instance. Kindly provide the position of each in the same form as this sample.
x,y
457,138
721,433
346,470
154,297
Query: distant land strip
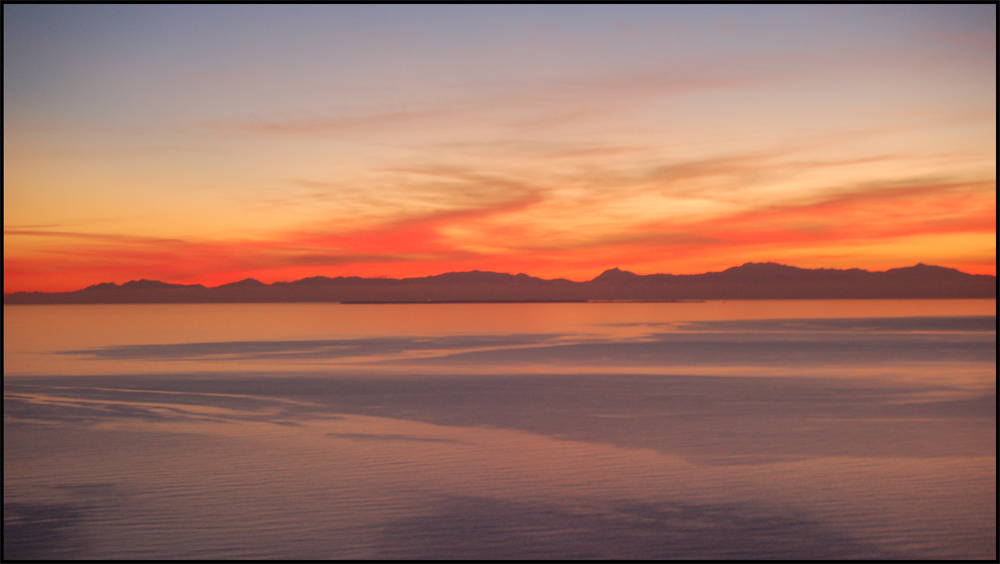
x,y
751,281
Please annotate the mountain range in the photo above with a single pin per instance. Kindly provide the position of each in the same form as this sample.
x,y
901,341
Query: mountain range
x,y
749,281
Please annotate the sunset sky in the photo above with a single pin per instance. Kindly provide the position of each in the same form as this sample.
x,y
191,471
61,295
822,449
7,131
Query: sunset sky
x,y
206,144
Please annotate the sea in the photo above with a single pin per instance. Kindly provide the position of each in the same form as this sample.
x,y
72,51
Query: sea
x,y
771,429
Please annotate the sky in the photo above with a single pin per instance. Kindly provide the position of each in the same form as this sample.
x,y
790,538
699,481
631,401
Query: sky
x,y
207,144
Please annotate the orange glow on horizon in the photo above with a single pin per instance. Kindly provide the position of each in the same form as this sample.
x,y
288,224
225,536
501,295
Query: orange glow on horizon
x,y
590,150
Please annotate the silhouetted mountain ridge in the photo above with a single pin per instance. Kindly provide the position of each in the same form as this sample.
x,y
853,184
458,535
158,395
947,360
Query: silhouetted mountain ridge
x,y
144,284
616,275
245,283
748,281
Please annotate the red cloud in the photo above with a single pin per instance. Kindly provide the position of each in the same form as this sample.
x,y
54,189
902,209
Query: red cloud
x,y
418,246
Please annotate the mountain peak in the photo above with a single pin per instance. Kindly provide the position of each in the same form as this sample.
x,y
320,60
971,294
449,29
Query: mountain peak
x,y
245,283
480,277
922,270
757,270
763,266
144,284
616,275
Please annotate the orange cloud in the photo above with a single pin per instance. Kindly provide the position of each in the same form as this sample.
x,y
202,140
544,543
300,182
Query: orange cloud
x,y
831,229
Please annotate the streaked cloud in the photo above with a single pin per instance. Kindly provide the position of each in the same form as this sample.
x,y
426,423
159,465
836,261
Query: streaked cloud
x,y
375,141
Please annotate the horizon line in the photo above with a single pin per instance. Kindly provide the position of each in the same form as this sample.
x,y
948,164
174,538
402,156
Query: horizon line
x,y
606,271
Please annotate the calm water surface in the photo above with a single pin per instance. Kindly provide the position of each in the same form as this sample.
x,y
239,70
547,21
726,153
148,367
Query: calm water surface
x,y
741,429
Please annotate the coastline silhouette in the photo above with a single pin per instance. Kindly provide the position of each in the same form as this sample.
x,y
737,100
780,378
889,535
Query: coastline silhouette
x,y
749,281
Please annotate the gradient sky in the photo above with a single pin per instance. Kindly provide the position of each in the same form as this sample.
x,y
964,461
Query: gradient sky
x,y
214,143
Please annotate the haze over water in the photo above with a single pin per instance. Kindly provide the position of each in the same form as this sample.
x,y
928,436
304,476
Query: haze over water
x,y
741,429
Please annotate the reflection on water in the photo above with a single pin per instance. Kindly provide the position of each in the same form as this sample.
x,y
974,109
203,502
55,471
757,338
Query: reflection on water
x,y
741,430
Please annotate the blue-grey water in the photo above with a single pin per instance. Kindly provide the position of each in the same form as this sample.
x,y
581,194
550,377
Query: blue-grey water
x,y
741,429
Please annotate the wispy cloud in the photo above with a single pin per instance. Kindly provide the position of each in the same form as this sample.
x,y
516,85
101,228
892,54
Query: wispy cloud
x,y
333,125
493,235
656,139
